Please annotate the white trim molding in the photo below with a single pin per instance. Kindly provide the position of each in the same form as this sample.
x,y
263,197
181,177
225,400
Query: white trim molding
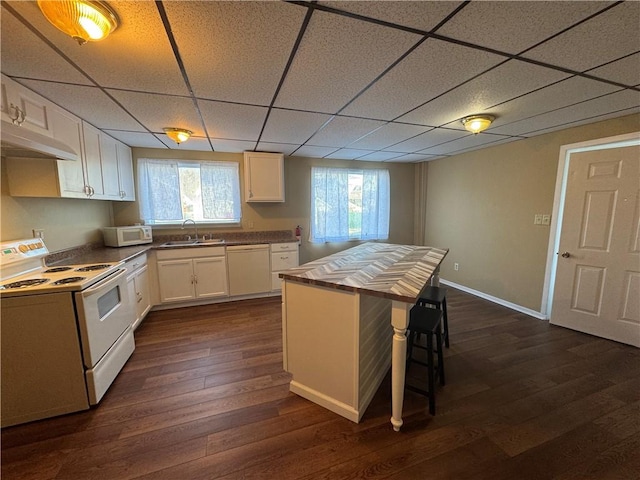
x,y
499,301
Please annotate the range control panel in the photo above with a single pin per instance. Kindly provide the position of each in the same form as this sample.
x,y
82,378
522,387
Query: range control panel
x,y
19,250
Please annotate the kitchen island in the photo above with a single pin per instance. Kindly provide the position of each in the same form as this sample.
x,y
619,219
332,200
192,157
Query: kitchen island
x,y
337,312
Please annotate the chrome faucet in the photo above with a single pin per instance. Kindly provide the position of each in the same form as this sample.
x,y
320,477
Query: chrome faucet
x,y
195,226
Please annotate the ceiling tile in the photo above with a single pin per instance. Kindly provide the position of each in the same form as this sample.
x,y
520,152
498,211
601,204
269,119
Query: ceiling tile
x,y
610,35
625,70
284,148
413,158
337,58
290,126
156,112
561,94
235,51
598,118
234,146
387,135
427,140
420,15
381,156
88,103
516,25
34,59
342,131
469,141
486,145
430,70
138,139
313,152
349,153
509,80
232,121
619,101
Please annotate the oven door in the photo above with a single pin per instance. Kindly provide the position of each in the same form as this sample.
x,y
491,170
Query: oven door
x,y
104,313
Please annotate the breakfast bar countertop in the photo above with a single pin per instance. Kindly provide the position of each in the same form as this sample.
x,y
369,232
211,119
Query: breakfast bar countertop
x,y
396,272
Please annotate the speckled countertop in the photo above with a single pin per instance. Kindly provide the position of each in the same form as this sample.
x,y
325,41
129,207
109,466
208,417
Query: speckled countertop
x,y
98,253
397,272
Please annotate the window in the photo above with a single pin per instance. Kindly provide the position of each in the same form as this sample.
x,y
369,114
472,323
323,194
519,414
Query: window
x,y
170,191
349,204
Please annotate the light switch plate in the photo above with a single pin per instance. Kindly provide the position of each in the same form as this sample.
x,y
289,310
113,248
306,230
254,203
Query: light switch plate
x,y
546,219
537,219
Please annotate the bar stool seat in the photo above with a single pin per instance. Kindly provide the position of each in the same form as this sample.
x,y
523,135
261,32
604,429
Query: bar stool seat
x,y
437,296
427,321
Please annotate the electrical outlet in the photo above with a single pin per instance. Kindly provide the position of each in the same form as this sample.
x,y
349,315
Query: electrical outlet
x,y
456,266
38,233
546,219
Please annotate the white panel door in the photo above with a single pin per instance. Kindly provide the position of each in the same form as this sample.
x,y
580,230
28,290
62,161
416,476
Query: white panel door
x,y
597,288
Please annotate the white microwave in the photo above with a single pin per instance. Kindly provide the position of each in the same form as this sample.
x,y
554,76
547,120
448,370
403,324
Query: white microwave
x,y
127,236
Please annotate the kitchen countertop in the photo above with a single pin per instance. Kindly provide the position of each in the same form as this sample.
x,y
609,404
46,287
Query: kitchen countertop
x,y
97,253
397,272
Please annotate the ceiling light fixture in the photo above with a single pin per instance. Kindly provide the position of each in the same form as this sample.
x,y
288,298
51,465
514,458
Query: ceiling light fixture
x,y
178,135
84,20
477,123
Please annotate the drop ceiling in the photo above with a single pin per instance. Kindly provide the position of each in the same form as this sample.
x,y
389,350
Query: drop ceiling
x,y
380,81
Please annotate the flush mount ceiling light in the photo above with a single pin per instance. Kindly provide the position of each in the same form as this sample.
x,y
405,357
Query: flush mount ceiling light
x,y
84,20
477,123
178,135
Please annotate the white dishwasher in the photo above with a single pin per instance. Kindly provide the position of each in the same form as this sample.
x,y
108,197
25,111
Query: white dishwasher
x,y
249,270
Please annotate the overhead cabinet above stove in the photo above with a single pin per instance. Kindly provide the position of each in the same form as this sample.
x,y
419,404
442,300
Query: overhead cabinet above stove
x,y
101,170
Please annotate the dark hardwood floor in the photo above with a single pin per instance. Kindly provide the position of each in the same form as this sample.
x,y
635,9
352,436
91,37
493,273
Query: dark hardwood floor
x,y
204,396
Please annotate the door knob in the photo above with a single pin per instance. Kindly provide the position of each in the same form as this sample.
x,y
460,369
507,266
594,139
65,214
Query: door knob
x,y
566,255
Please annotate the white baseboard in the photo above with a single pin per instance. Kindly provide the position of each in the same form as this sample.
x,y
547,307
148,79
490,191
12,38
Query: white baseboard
x,y
325,401
499,301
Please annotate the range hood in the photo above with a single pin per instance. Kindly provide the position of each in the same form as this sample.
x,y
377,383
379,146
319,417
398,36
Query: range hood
x,y
20,142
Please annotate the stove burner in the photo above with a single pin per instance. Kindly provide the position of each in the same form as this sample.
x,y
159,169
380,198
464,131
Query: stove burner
x,y
57,269
68,280
90,268
24,283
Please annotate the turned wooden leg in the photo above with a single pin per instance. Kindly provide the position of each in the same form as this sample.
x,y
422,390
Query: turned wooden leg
x,y
399,321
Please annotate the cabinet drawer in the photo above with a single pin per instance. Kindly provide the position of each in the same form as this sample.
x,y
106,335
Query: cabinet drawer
x,y
283,260
284,247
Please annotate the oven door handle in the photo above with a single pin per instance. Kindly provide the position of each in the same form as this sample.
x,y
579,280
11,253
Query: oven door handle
x,y
113,278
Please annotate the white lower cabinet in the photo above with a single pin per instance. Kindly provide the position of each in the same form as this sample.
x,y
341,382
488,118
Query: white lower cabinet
x,y
192,274
138,287
283,257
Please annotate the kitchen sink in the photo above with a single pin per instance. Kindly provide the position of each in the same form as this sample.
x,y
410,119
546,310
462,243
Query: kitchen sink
x,y
211,241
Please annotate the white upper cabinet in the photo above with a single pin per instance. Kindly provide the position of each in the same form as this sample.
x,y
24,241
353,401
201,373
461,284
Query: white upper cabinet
x,y
68,129
109,167
25,108
263,177
125,172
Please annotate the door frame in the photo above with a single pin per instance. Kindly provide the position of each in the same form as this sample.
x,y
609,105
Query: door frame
x,y
566,151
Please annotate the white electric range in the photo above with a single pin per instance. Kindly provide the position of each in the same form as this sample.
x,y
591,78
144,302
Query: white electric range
x,y
66,332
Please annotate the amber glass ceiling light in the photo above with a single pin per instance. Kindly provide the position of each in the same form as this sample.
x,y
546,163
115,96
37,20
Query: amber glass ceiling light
x,y
477,123
84,20
178,135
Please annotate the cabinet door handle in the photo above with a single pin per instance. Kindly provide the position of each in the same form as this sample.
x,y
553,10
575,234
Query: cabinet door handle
x,y
284,258
19,117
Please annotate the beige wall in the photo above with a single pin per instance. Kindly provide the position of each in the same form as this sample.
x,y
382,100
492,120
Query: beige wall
x,y
296,209
66,222
481,206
